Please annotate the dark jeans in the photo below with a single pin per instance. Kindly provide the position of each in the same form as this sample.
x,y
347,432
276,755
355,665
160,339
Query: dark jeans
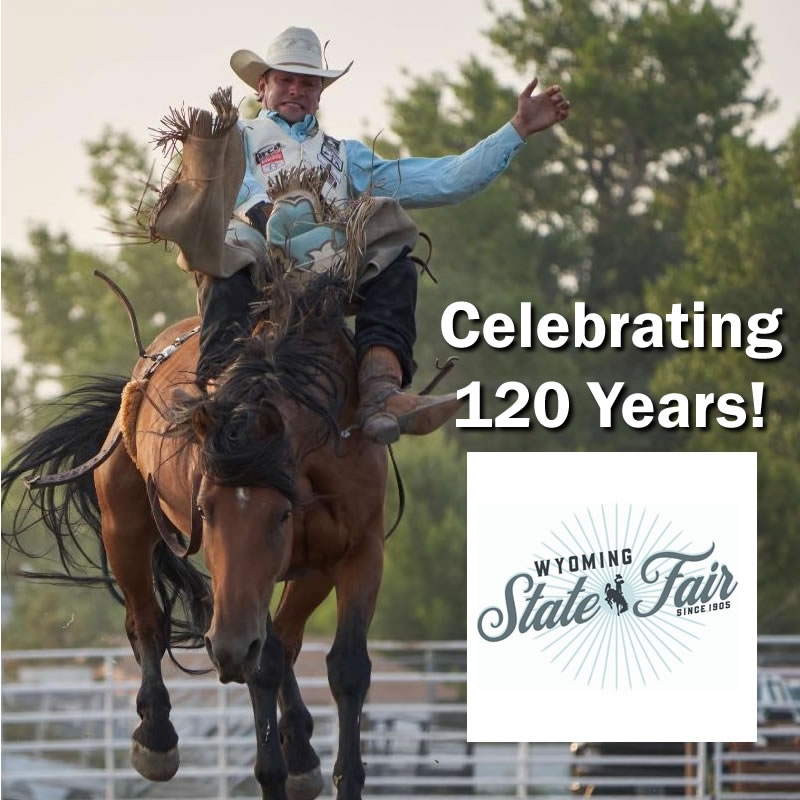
x,y
385,315
225,317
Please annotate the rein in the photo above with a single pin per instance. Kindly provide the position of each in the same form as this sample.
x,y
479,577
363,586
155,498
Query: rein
x,y
169,533
401,495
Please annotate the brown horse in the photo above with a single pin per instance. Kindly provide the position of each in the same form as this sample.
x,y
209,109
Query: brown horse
x,y
260,469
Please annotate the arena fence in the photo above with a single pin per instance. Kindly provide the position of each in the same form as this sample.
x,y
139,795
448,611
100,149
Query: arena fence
x,y
68,714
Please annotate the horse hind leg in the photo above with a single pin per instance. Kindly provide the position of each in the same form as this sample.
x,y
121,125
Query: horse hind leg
x,y
299,600
129,536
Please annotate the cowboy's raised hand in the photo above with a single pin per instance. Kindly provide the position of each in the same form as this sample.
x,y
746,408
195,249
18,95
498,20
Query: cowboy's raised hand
x,y
537,112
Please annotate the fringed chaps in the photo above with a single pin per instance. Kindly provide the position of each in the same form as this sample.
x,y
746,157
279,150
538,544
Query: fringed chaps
x,y
194,209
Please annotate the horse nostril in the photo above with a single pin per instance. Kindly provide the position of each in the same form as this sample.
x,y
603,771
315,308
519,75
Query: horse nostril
x,y
209,648
253,652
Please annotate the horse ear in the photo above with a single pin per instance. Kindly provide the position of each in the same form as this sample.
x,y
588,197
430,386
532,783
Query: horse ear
x,y
201,421
270,420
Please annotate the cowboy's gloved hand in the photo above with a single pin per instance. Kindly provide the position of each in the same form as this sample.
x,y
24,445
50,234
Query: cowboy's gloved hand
x,y
258,216
537,112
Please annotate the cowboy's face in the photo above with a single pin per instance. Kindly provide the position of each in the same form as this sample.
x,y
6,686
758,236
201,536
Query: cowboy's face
x,y
290,94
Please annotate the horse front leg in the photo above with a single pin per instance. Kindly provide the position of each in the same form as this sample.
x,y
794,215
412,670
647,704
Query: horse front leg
x,y
154,742
129,536
299,600
270,769
357,580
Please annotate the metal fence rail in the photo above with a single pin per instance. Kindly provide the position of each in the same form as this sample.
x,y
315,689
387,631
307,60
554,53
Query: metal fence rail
x,y
68,715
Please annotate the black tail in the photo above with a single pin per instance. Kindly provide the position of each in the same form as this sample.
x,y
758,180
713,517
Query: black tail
x,y
76,435
66,511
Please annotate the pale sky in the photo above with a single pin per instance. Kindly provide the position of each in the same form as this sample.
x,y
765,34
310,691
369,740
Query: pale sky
x,y
69,68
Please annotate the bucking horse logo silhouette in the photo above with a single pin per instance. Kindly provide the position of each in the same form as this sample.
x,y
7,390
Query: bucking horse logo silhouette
x,y
616,596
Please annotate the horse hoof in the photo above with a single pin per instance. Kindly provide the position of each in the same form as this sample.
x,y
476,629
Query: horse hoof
x,y
306,786
153,765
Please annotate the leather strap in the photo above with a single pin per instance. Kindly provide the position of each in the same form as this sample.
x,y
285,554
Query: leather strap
x,y
401,495
65,477
169,533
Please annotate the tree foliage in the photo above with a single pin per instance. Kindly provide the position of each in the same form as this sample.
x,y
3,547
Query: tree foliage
x,y
71,325
592,209
649,194
424,591
69,322
743,246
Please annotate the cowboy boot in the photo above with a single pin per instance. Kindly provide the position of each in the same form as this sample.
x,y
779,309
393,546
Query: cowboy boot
x,y
385,412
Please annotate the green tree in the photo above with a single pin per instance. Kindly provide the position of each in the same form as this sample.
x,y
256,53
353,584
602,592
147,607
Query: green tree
x,y
594,208
743,247
424,592
71,325
53,616
69,322
603,206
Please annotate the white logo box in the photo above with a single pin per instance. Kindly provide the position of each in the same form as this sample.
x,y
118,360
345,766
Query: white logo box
x,y
611,597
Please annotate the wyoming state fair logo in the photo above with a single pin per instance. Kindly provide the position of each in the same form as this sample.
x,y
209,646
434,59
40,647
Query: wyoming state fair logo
x,y
615,600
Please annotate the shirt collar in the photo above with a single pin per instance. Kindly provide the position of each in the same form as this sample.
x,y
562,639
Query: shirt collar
x,y
299,130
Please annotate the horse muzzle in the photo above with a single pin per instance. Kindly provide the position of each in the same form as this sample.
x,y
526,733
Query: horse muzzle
x,y
236,657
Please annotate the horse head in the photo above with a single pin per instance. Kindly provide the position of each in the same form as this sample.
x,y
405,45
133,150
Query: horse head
x,y
246,495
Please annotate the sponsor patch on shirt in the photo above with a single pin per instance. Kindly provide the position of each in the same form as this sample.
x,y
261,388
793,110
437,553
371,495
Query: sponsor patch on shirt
x,y
270,158
329,153
331,180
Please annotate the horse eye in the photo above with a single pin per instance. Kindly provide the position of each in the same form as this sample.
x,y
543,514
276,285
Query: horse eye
x,y
286,515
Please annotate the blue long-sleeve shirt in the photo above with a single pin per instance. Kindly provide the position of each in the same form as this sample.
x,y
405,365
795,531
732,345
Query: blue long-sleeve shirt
x,y
414,182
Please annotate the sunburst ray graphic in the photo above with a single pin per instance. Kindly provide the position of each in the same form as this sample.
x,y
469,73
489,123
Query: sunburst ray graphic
x,y
616,648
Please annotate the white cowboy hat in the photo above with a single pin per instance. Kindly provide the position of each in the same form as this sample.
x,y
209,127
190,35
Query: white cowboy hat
x,y
295,50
